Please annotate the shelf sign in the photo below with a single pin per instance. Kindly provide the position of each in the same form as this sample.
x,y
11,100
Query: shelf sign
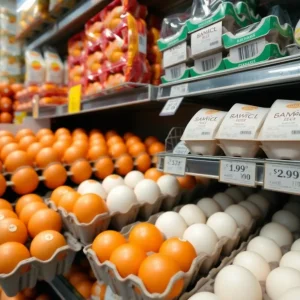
x,y
282,178
175,165
35,106
179,90
74,101
171,107
238,172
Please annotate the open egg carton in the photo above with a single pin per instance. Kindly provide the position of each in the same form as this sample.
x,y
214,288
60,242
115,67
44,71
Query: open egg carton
x,y
29,271
127,287
86,232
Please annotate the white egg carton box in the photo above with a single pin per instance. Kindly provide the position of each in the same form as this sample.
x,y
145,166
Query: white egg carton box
x,y
29,271
199,134
239,130
280,134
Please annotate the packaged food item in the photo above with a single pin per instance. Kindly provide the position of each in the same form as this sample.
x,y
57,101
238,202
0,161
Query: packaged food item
x,y
280,134
258,42
199,134
8,22
35,68
239,130
53,67
59,7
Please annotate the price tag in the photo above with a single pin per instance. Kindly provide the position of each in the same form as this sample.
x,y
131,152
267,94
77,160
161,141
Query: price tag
x,y
238,172
181,148
179,90
35,106
74,99
175,165
282,178
171,107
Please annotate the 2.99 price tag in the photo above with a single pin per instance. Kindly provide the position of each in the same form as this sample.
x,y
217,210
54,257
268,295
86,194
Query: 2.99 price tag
x,y
282,178
238,172
175,165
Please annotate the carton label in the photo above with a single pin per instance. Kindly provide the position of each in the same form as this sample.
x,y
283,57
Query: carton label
x,y
203,125
208,63
175,72
175,55
283,122
207,39
143,43
242,122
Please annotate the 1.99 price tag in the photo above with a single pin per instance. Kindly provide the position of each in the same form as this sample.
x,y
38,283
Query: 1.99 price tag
x,y
282,178
238,172
175,165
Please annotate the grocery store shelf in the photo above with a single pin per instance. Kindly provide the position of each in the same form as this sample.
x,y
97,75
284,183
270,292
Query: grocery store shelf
x,y
133,96
70,23
64,289
280,71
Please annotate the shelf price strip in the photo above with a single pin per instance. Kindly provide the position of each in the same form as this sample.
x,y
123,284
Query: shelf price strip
x,y
175,165
238,172
179,90
282,178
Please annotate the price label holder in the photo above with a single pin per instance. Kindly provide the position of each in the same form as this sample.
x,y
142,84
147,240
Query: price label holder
x,y
35,106
181,148
175,165
171,107
282,178
238,172
179,90
74,101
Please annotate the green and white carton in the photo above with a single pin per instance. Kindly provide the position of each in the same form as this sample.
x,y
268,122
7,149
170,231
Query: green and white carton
x,y
175,73
243,9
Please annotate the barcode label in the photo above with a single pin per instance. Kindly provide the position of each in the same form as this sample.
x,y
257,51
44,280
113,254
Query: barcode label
x,y
214,43
209,64
143,44
175,72
246,132
248,51
295,132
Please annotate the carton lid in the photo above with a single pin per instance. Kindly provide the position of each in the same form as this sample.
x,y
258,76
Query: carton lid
x,y
282,122
242,122
204,125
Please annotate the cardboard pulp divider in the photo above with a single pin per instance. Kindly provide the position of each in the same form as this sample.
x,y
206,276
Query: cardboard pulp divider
x,y
132,287
86,233
29,271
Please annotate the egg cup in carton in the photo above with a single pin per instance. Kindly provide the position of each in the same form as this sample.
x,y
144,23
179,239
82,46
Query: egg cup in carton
x,y
29,271
280,134
199,134
59,7
239,130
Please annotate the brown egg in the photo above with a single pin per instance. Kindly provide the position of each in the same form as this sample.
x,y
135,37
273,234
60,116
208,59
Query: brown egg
x,y
5,104
114,140
62,131
136,149
60,147
150,140
124,164
6,117
187,182
54,175
110,133
81,170
5,133
4,140
96,142
156,147
143,162
2,185
45,157
72,154
33,150
25,180
44,131
104,166
65,138
17,159
80,136
132,140
7,149
83,144
96,152
23,132
47,140
78,131
117,149
26,141
127,135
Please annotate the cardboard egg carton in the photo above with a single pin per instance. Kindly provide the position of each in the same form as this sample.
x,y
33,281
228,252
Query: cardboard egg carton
x,y
29,271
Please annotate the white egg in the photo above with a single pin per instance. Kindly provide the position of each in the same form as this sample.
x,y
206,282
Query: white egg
x,y
293,207
204,296
247,191
209,206
291,260
253,262
294,198
252,208
171,224
169,185
133,178
112,181
202,237
237,283
261,202
266,248
236,194
223,200
296,246
280,280
192,214
147,191
288,219
120,199
291,294
240,214
278,233
222,224
92,187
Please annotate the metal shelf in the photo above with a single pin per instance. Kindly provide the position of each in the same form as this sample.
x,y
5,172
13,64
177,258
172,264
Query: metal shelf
x,y
64,289
129,97
274,72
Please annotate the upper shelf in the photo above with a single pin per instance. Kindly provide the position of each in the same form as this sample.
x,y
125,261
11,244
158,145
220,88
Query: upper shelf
x,y
277,71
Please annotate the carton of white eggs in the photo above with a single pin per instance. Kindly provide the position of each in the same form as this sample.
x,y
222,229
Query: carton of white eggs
x,y
239,130
280,134
199,134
